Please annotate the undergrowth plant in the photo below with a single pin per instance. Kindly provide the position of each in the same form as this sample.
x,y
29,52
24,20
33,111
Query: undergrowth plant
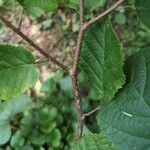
x,y
121,84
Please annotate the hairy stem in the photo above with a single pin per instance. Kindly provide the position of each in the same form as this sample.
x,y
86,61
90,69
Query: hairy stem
x,y
74,70
35,46
76,89
74,73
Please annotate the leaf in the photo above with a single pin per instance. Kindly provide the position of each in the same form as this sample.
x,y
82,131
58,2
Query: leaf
x,y
126,121
5,131
47,128
8,110
17,139
143,11
94,4
1,3
17,105
47,114
90,5
49,86
74,4
66,86
93,142
102,59
120,18
131,2
37,7
65,83
56,136
37,138
20,2
17,72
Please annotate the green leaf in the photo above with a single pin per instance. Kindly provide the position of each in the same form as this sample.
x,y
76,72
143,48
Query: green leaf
x,y
17,105
17,71
37,7
47,128
94,4
38,138
73,4
8,110
65,83
126,121
143,11
5,131
131,2
49,86
94,142
90,5
66,86
47,114
56,136
120,18
20,2
102,59
17,139
1,3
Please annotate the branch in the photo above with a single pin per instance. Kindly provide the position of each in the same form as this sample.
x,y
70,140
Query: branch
x,y
91,112
74,70
74,73
35,46
113,7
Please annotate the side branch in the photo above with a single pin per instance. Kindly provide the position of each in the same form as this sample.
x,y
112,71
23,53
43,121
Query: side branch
x,y
91,112
35,46
113,7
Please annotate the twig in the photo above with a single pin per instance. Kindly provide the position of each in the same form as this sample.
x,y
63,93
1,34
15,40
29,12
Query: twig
x,y
74,70
91,112
113,7
41,51
41,61
74,73
126,7
20,18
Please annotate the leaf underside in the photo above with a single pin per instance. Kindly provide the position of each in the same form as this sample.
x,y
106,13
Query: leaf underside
x,y
126,121
102,59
